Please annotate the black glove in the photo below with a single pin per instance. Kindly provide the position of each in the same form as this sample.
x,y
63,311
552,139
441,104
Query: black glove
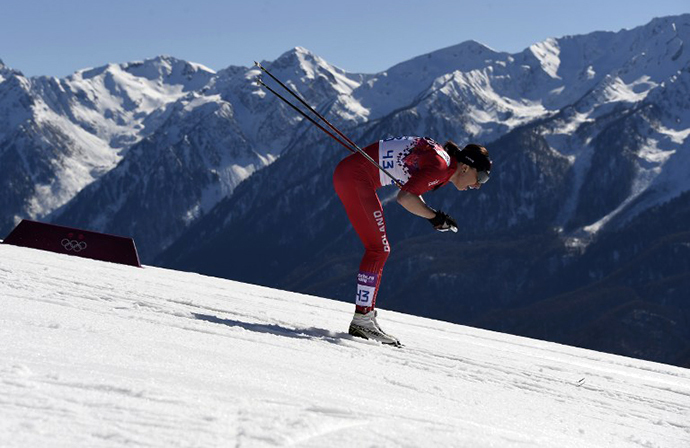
x,y
443,223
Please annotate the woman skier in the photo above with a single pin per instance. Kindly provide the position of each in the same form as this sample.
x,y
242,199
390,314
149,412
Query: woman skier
x,y
419,164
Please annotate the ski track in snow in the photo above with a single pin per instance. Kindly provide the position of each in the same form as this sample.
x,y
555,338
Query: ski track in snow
x,y
97,354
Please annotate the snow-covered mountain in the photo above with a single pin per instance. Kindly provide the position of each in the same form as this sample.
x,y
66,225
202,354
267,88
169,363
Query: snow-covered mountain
x,y
146,148
209,172
98,354
59,135
589,130
222,127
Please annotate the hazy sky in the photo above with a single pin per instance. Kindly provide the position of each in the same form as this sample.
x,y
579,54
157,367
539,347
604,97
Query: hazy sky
x,y
58,37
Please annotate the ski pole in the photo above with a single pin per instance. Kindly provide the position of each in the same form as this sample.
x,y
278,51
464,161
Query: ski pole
x,y
301,100
260,82
353,146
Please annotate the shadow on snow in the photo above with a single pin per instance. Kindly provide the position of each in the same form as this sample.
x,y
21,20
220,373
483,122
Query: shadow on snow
x,y
278,330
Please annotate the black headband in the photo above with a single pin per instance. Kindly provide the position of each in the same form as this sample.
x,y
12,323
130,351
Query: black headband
x,y
475,159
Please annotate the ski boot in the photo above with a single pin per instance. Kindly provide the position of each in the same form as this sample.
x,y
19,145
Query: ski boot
x,y
365,326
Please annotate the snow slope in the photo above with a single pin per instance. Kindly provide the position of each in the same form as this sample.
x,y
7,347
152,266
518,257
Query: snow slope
x,y
97,354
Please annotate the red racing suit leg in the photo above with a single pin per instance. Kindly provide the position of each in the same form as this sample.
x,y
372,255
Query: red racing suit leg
x,y
355,181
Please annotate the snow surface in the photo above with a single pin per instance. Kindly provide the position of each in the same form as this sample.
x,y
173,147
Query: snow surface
x,y
97,354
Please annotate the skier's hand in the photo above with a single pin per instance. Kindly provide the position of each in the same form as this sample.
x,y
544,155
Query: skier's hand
x,y
443,223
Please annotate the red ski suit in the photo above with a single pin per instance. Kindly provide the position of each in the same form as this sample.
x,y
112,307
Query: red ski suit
x,y
420,164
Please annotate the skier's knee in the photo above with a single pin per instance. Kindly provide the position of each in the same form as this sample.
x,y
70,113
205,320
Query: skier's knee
x,y
379,254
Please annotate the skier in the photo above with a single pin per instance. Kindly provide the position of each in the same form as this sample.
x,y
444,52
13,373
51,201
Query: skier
x,y
419,164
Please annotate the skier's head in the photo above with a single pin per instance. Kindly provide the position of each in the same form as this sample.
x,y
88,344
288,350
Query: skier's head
x,y
472,155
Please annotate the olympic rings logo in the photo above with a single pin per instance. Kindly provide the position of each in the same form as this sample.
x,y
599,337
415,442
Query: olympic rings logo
x,y
73,245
